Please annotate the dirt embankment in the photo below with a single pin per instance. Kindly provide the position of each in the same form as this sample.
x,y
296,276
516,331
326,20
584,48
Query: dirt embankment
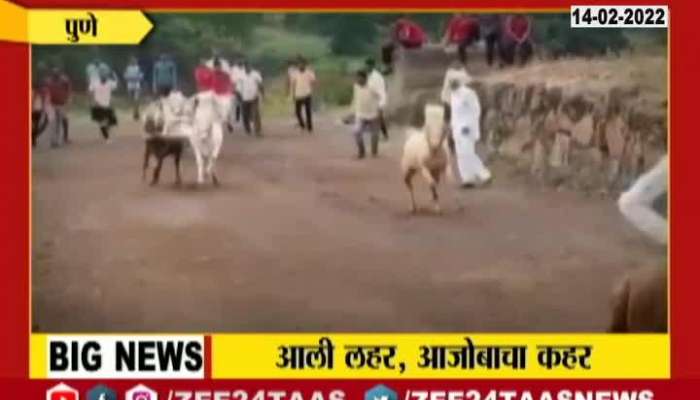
x,y
591,125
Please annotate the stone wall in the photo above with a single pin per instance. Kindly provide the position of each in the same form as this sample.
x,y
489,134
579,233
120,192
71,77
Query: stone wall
x,y
589,131
584,139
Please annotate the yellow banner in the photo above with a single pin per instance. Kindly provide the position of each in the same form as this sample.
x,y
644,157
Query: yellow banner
x,y
451,356
72,26
362,356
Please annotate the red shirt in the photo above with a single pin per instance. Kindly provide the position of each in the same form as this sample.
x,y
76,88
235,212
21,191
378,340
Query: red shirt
x,y
59,89
518,27
409,34
204,78
462,28
222,82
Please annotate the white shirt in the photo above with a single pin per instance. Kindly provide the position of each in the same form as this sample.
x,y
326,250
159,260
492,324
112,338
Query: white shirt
x,y
249,85
237,73
375,80
466,111
454,74
365,102
102,91
94,70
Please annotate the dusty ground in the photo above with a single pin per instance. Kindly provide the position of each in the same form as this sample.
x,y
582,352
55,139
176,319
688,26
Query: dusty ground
x,y
302,237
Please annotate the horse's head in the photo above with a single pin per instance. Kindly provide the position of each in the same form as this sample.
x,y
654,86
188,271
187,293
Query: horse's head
x,y
176,102
434,127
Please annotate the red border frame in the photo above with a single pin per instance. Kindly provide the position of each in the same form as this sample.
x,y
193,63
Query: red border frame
x,y
15,166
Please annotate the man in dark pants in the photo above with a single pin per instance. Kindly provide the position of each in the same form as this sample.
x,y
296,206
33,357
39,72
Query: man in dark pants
x,y
302,90
490,30
376,81
366,111
251,89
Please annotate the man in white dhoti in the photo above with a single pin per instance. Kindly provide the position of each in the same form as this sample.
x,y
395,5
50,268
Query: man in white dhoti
x,y
466,111
636,204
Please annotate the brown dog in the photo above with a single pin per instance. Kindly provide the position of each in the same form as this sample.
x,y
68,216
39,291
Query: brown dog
x,y
640,303
160,148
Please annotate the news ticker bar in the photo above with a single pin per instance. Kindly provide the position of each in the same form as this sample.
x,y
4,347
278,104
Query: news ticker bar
x,y
351,356
38,26
358,390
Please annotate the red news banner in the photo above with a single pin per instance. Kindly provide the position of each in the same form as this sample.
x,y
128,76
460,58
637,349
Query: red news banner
x,y
15,365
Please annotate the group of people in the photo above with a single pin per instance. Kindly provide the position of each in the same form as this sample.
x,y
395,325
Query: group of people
x,y
510,32
238,89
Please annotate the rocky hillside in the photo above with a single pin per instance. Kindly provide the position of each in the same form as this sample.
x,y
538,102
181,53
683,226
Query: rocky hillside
x,y
586,124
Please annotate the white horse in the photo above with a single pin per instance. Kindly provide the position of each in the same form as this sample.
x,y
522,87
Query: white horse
x,y
426,151
207,135
198,119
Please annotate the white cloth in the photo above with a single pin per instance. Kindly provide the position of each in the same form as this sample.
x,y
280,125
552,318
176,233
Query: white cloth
x,y
454,74
102,92
375,80
466,112
636,203
250,85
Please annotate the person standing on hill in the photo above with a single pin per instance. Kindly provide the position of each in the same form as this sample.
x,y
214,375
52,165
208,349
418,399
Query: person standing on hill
x,y
133,76
490,26
405,33
462,30
59,90
376,81
302,89
164,76
366,112
251,89
101,109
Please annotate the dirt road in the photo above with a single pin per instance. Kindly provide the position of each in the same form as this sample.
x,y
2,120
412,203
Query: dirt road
x,y
302,237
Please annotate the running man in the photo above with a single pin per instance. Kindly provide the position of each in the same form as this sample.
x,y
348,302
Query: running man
x,y
59,90
101,110
164,76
